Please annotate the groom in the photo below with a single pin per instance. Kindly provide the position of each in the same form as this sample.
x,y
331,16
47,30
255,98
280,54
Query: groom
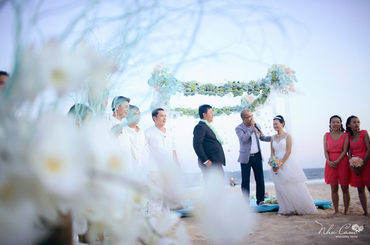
x,y
249,134
207,144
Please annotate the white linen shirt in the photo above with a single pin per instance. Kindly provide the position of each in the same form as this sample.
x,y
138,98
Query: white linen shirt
x,y
161,145
123,138
137,142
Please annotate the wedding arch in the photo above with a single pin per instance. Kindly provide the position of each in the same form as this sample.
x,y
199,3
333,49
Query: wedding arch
x,y
253,95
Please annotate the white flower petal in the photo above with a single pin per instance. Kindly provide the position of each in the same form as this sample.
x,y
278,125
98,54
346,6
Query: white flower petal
x,y
233,223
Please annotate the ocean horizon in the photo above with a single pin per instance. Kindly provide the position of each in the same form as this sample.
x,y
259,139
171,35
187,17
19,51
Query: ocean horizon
x,y
195,180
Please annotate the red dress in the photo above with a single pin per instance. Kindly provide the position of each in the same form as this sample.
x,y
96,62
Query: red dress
x,y
359,149
342,173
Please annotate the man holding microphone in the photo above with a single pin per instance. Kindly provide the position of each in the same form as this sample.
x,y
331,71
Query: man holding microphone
x,y
249,134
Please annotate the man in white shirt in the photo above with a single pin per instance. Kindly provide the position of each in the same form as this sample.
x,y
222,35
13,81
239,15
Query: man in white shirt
x,y
120,108
135,134
162,148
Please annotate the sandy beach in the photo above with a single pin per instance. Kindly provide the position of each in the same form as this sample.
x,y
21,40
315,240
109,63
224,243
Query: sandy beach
x,y
322,228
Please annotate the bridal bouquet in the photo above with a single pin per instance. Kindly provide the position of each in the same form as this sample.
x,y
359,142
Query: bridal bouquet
x,y
275,162
356,162
273,200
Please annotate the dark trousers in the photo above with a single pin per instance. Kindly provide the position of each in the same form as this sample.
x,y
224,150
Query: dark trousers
x,y
255,162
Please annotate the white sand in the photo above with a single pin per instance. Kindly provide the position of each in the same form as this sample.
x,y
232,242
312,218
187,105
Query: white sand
x,y
298,229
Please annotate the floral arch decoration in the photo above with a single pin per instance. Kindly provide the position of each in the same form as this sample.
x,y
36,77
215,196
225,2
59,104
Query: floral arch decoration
x,y
253,95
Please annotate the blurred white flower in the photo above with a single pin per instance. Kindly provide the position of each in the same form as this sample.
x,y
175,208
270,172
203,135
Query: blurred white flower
x,y
130,230
105,154
63,68
226,218
181,234
27,82
59,68
164,222
158,229
126,229
170,175
167,241
79,224
18,223
176,236
57,168
19,210
58,156
14,141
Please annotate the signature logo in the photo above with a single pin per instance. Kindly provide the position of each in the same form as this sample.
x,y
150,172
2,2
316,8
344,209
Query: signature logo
x,y
345,231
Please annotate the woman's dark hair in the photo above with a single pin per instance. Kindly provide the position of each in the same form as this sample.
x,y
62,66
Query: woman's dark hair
x,y
280,119
348,129
341,125
79,111
203,109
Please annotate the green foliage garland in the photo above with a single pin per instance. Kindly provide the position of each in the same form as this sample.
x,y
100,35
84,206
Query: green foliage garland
x,y
280,77
260,91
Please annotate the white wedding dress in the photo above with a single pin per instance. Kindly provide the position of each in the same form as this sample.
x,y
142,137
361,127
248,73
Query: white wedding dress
x,y
291,190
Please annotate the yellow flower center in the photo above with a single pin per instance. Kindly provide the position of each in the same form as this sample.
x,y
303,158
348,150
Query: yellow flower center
x,y
58,77
115,163
138,199
54,165
7,190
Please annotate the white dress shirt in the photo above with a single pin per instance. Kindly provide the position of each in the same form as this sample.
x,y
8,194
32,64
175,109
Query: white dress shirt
x,y
161,145
123,138
137,142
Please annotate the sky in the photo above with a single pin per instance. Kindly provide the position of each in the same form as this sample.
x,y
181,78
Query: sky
x,y
325,42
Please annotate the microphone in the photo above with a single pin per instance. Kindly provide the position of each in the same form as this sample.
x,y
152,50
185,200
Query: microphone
x,y
255,126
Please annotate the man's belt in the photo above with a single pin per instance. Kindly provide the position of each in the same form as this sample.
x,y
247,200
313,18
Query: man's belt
x,y
254,154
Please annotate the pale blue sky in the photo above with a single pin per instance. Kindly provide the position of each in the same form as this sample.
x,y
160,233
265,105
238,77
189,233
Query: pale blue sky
x,y
325,42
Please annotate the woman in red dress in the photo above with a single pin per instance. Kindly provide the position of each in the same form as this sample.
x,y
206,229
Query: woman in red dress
x,y
359,146
337,170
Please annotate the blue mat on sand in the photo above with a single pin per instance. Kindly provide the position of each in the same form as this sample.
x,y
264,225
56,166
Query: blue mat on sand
x,y
259,209
187,211
275,207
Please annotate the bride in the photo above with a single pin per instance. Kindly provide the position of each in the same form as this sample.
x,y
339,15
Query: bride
x,y
289,179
